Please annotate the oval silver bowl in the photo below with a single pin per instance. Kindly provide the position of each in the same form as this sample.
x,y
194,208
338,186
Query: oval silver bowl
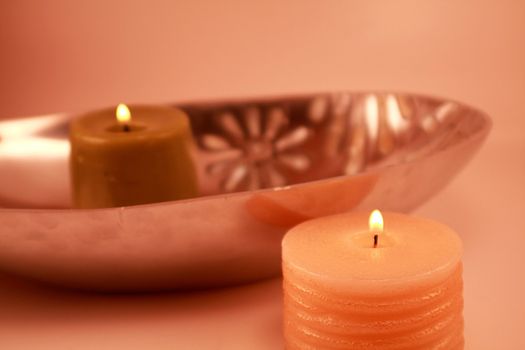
x,y
264,165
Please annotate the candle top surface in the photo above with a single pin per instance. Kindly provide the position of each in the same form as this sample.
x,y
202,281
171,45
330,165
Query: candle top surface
x,y
340,249
145,121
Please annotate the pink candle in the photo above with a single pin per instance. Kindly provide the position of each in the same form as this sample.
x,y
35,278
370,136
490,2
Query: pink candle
x,y
342,292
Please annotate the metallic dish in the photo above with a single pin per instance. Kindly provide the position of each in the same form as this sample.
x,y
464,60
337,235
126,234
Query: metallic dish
x,y
264,165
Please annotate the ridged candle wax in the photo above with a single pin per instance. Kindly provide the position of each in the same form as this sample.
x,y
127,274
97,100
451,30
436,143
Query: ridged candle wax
x,y
341,292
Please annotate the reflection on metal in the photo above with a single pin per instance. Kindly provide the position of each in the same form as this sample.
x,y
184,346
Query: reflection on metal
x,y
250,149
33,148
277,142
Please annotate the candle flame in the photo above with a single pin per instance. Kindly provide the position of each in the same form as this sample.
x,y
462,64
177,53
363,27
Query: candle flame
x,y
375,222
123,114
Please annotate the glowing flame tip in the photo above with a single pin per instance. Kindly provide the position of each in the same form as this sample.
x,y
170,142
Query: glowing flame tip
x,y
375,221
123,114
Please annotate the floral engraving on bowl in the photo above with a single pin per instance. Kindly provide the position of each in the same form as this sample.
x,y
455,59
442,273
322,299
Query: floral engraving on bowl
x,y
255,149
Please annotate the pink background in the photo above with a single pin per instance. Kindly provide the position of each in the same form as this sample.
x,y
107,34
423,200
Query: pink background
x,y
60,55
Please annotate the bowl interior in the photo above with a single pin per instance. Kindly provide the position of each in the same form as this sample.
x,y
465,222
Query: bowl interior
x,y
256,144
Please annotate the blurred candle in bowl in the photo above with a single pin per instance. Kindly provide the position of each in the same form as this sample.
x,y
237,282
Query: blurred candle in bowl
x,y
131,156
349,286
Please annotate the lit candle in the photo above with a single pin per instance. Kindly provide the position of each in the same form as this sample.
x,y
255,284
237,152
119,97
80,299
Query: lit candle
x,y
119,157
349,286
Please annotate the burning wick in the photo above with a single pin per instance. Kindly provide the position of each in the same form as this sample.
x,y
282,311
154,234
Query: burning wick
x,y
123,116
375,224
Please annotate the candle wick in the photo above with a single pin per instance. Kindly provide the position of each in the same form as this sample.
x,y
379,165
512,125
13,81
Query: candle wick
x,y
376,238
126,128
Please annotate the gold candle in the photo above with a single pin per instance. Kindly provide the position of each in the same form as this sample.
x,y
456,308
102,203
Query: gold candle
x,y
122,157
